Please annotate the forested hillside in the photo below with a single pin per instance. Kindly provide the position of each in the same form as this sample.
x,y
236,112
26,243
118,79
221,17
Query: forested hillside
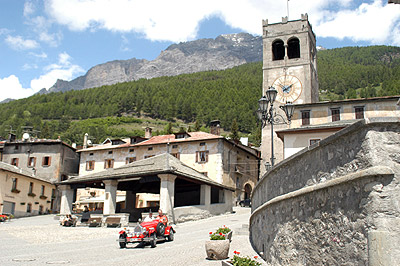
x,y
110,111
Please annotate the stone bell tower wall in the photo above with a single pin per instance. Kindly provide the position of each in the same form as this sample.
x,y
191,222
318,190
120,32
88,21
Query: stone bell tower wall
x,y
335,202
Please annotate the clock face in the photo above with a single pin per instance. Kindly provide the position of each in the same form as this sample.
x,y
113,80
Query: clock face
x,y
289,88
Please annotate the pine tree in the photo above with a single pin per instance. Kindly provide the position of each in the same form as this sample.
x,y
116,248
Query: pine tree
x,y
234,131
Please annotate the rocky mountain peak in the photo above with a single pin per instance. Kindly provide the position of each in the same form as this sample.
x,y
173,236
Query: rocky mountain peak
x,y
225,51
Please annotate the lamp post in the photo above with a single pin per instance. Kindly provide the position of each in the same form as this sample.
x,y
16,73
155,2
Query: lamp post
x,y
266,113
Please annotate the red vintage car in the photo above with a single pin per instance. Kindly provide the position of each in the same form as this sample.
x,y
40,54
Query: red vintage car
x,y
147,233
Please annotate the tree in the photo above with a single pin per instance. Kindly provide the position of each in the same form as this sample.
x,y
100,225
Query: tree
x,y
234,131
168,128
197,126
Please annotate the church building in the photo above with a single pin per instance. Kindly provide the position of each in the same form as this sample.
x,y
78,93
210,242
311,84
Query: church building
x,y
290,66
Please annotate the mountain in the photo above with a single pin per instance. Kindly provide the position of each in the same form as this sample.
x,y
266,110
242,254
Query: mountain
x,y
225,51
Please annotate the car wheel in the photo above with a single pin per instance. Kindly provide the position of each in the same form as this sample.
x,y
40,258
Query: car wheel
x,y
160,229
171,235
122,244
241,204
153,241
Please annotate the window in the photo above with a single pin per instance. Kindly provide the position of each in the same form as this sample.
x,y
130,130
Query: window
x,y
91,154
313,141
335,114
108,163
131,150
110,152
130,159
42,191
14,184
14,161
46,161
29,207
90,165
201,156
176,155
305,118
53,193
31,161
180,136
175,146
293,48
30,187
359,110
278,50
202,144
150,148
148,156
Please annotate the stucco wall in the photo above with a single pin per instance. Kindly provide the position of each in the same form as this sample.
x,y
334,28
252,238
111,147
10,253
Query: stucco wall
x,y
335,203
21,197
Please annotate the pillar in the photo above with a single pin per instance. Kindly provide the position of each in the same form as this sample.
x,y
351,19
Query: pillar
x,y
67,196
205,195
110,197
167,194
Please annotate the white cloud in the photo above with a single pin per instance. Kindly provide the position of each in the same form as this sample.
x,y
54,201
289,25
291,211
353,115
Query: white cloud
x,y
178,20
10,87
29,8
64,69
42,55
375,23
19,43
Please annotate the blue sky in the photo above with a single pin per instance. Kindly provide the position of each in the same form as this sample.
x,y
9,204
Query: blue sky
x,y
45,40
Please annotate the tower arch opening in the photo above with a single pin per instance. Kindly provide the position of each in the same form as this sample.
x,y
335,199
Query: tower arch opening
x,y
278,50
293,49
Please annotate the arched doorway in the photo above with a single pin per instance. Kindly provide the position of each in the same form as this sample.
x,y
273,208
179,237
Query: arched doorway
x,y
247,191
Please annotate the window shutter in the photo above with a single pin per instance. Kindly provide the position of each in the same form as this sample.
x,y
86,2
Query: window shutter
x,y
206,156
49,160
197,156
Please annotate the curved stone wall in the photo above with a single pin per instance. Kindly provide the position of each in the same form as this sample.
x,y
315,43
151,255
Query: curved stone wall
x,y
335,203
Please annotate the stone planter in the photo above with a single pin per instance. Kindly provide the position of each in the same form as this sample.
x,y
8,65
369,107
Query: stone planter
x,y
226,263
217,249
229,236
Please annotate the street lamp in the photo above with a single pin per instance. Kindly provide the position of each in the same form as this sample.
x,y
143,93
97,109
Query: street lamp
x,y
266,113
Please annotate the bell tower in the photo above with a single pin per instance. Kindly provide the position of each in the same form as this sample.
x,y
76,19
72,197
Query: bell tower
x,y
289,58
290,66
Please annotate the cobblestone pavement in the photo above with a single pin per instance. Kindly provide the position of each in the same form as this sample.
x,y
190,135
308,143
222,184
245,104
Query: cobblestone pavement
x,y
41,241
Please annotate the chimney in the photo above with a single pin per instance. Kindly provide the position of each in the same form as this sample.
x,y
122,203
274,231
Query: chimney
x,y
147,132
85,140
215,127
12,137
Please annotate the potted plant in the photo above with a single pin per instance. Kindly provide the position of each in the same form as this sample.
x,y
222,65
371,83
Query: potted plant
x,y
238,260
217,248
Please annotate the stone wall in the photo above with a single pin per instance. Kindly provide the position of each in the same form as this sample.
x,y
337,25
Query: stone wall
x,y
334,203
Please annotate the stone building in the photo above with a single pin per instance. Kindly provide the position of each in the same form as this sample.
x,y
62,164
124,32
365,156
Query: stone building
x,y
224,161
314,122
184,193
289,65
22,193
50,160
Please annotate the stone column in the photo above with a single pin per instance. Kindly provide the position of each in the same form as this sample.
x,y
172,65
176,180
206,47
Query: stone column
x,y
228,199
205,196
167,194
110,197
67,196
